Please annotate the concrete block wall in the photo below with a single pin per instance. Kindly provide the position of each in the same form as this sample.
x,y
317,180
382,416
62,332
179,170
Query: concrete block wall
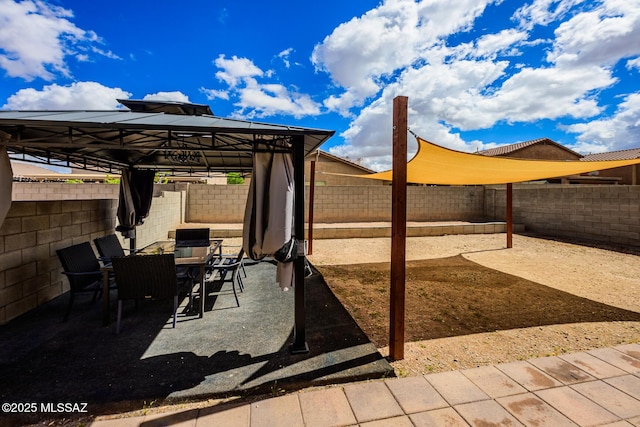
x,y
365,203
30,273
216,203
600,213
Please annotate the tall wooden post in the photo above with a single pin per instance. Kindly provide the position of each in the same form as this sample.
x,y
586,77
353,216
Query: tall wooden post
x,y
398,229
509,215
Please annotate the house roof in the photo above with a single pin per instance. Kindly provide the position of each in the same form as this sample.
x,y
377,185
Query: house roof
x,y
108,141
339,159
504,150
632,153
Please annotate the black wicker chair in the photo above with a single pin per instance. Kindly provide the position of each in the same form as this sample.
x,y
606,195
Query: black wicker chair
x,y
146,277
226,269
108,247
82,269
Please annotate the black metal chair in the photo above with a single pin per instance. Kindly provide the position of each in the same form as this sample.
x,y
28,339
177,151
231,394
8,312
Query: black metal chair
x,y
108,247
82,269
146,277
226,269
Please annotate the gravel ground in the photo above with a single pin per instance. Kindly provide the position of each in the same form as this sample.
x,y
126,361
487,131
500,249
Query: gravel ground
x,y
601,275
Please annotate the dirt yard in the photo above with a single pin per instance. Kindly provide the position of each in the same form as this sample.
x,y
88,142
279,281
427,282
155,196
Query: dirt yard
x,y
472,302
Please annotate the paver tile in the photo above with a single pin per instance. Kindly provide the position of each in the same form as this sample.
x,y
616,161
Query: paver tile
x,y
415,394
576,407
438,418
634,421
371,401
486,413
180,418
493,382
528,375
630,384
561,370
403,421
610,398
632,350
278,411
598,368
617,359
326,407
533,411
231,416
456,388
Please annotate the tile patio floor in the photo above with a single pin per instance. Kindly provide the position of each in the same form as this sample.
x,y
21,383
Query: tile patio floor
x,y
592,388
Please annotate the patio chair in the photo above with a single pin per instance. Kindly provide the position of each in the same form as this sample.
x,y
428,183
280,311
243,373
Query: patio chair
x,y
148,277
108,247
82,269
226,269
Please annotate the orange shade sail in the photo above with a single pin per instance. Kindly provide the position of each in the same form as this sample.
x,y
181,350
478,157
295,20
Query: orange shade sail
x,y
434,164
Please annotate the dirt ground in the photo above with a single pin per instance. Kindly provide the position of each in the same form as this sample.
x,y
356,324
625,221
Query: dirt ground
x,y
472,302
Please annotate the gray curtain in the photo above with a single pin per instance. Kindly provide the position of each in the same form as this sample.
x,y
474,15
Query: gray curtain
x,y
6,183
268,221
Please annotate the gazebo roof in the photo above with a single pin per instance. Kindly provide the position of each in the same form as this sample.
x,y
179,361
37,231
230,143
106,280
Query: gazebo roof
x,y
107,141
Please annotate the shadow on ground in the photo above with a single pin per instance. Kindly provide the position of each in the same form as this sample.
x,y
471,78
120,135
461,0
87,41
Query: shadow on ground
x,y
453,296
231,351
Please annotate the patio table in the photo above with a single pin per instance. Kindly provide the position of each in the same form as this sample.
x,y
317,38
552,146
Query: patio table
x,y
190,256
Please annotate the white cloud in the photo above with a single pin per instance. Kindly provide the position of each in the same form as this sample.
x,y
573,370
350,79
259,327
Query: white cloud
x,y
254,98
77,96
284,55
476,84
619,132
234,70
359,54
601,36
36,38
167,96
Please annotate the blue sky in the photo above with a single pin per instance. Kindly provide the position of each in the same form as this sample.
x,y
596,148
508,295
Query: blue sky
x,y
478,73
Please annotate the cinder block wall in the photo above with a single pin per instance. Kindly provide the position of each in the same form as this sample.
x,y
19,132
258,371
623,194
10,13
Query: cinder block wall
x,y
365,203
36,226
601,213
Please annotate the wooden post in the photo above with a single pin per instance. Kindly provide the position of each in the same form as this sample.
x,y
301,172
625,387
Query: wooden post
x,y
509,215
398,229
312,188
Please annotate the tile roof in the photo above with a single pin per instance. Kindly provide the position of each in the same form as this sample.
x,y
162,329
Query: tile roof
x,y
632,153
511,148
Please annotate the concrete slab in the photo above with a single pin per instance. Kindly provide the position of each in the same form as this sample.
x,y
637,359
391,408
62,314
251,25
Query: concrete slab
x,y
576,407
610,398
371,401
561,370
456,388
617,358
598,368
486,413
629,384
493,382
415,394
437,418
326,407
528,375
533,411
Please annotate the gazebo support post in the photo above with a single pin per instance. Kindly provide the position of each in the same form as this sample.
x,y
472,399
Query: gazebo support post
x,y
509,215
299,344
312,188
398,229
